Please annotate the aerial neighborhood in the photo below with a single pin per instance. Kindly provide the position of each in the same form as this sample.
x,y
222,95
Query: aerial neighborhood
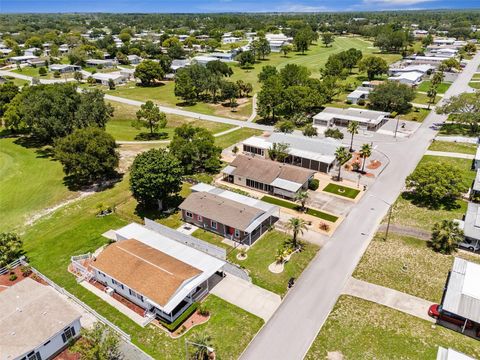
x,y
286,182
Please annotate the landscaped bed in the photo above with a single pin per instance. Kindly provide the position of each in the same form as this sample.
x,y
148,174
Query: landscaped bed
x,y
293,206
340,190
359,329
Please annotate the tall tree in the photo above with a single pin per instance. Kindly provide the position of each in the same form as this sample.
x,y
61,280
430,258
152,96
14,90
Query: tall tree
x,y
373,65
465,109
296,226
327,38
341,156
352,128
151,117
11,248
98,343
445,237
7,93
392,96
155,176
149,71
270,97
365,152
302,198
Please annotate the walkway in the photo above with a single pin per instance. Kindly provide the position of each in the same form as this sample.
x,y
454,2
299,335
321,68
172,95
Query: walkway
x,y
249,297
394,299
116,304
254,109
460,139
450,154
407,231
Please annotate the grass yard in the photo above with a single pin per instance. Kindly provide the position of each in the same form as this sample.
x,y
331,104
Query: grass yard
x,y
416,114
340,190
261,255
120,125
235,137
29,182
454,147
456,129
360,329
474,84
464,166
424,99
441,88
76,230
33,72
293,206
426,271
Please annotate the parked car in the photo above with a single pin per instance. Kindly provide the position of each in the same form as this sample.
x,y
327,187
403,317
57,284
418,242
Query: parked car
x,y
472,245
437,312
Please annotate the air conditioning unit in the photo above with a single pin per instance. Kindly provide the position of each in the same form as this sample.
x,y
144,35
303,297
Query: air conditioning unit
x,y
109,291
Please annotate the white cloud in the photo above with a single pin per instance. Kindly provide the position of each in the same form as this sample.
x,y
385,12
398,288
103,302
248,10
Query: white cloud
x,y
391,3
288,7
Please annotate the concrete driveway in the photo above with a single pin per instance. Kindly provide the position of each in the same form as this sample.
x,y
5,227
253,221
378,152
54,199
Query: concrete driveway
x,y
249,297
332,204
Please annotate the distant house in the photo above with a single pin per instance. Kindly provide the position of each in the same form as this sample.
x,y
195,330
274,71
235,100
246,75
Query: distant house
x,y
360,93
240,218
203,59
105,63
37,62
35,322
471,227
5,51
398,70
31,51
63,49
276,41
444,41
411,78
450,354
134,59
222,56
104,78
476,160
155,270
310,153
268,176
179,64
369,119
64,68
21,59
461,296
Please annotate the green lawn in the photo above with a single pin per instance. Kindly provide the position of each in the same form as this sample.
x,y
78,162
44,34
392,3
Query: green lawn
x,y
456,129
475,85
29,182
360,329
342,190
441,88
261,255
33,72
120,126
455,147
426,271
416,114
235,137
75,230
293,206
424,99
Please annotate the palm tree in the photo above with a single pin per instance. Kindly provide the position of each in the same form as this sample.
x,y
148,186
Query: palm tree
x,y
352,128
297,226
302,197
203,347
445,237
341,155
365,152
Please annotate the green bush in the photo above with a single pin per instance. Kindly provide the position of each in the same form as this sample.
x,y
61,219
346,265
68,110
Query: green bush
x,y
174,325
313,185
333,133
12,277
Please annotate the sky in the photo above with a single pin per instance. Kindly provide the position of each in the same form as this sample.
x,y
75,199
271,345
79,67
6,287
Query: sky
x,y
205,6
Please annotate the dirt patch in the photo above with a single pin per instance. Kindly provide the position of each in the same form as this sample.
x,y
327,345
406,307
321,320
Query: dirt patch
x,y
5,281
374,164
225,111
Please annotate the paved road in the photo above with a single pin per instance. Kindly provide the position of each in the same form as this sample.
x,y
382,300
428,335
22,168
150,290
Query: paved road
x,y
292,329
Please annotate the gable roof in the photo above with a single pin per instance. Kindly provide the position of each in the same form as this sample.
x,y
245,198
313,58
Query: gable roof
x,y
267,171
31,314
144,269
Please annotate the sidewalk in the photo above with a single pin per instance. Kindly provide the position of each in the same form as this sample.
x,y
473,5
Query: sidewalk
x,y
388,297
450,154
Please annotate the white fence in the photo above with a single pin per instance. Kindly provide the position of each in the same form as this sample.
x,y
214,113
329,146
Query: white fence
x,y
10,266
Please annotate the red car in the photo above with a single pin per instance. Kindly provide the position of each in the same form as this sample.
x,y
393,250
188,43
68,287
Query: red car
x,y
437,312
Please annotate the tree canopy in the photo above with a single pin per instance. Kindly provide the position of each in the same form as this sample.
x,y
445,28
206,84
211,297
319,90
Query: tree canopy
x,y
11,248
392,96
373,66
149,71
151,117
465,109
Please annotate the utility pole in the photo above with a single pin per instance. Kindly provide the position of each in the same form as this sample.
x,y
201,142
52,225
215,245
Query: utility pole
x,y
388,221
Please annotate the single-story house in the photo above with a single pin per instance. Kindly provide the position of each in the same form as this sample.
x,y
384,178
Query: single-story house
x,y
461,296
229,39
276,41
475,190
21,59
370,119
63,49
476,160
134,59
203,59
179,64
444,41
31,51
419,33
222,56
104,78
268,176
5,51
411,78
155,271
35,322
127,73
450,354
422,68
36,62
64,68
432,60
445,52
106,63
471,227
237,217
360,93
310,153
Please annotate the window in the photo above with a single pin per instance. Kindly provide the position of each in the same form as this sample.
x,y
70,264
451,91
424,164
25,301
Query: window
x,y
199,218
189,214
68,333
48,342
214,225
135,294
237,233
33,356
114,282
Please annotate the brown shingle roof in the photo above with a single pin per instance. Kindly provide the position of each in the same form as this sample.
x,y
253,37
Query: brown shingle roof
x,y
266,171
221,210
144,269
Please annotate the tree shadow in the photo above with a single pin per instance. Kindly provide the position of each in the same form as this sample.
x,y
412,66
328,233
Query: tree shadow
x,y
266,121
144,136
152,212
151,85
74,183
447,203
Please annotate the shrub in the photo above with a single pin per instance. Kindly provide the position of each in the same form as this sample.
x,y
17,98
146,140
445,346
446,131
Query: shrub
x,y
203,310
361,102
334,133
313,184
26,270
12,277
56,74
349,102
42,71
324,226
174,325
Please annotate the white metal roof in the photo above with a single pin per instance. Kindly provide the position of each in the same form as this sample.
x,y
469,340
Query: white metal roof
x,y
477,154
450,354
229,170
286,185
462,296
107,76
476,183
412,76
351,114
198,259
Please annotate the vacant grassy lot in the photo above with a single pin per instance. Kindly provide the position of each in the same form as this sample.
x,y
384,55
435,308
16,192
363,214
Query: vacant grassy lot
x,y
76,230
454,147
33,72
406,264
416,114
441,88
456,129
120,126
475,85
360,329
424,99
235,137
262,254
293,206
30,182
342,190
